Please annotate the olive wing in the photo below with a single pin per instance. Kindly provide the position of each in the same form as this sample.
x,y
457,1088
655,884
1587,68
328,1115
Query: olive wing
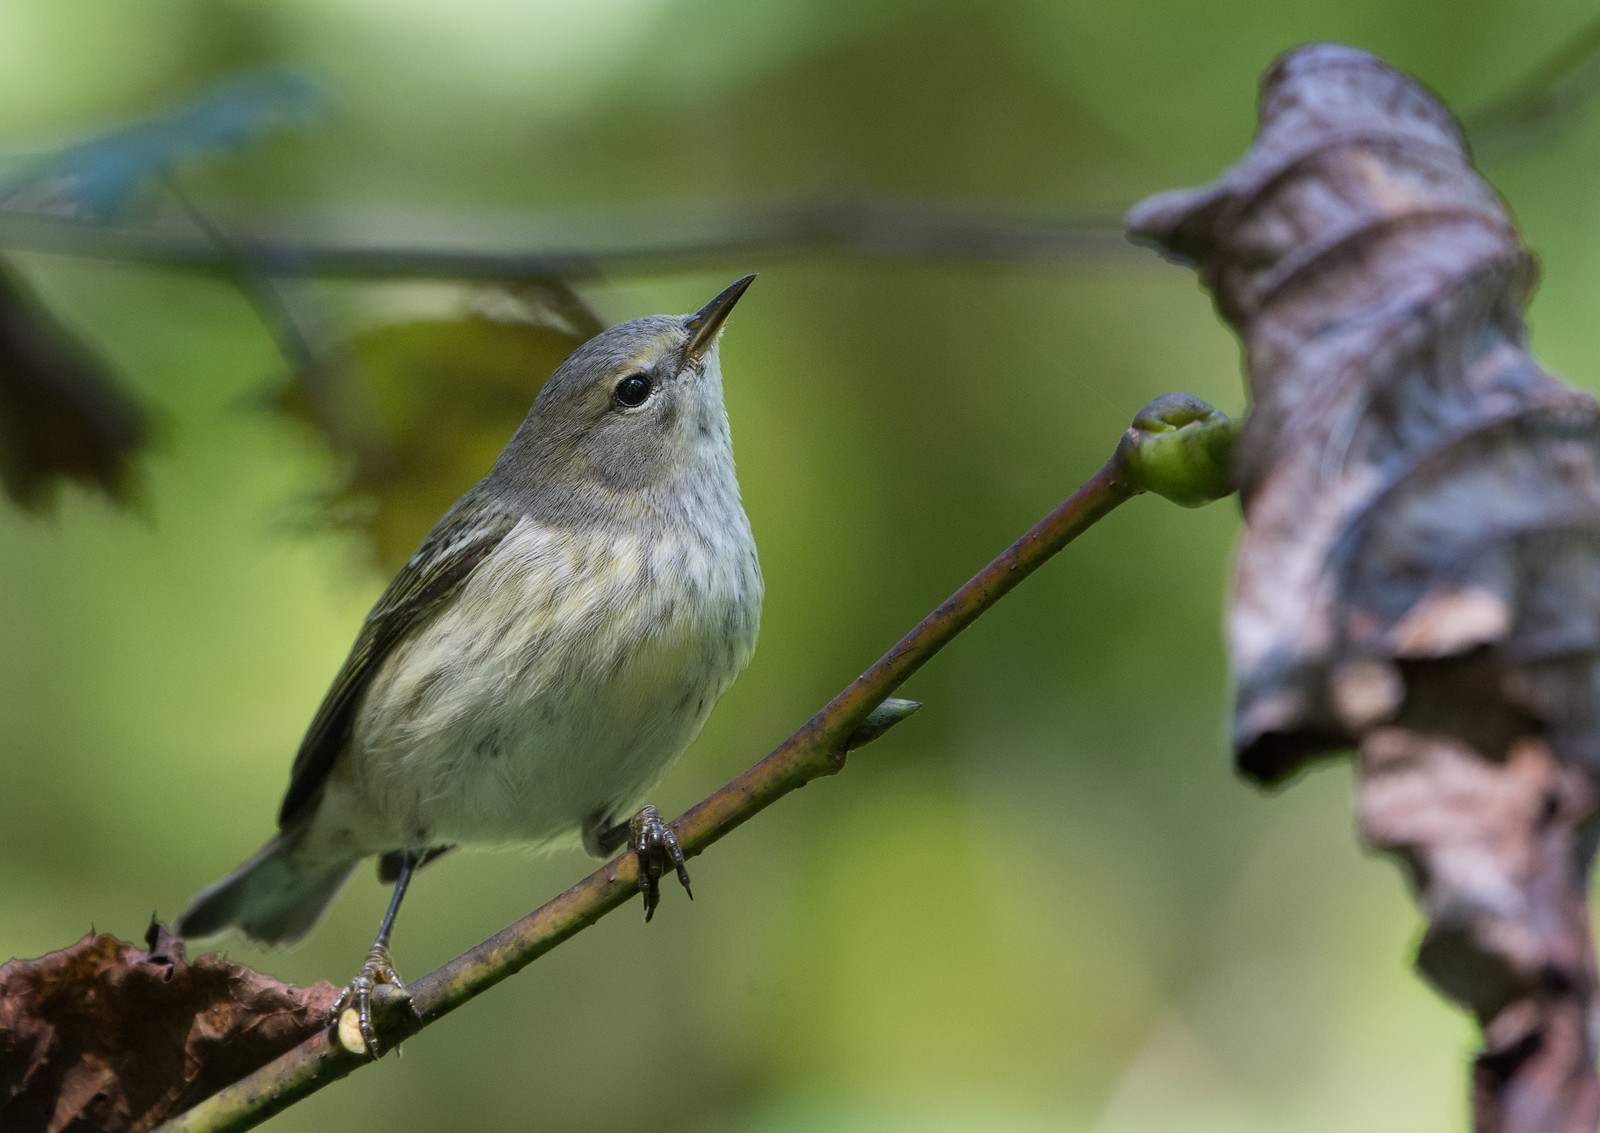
x,y
467,534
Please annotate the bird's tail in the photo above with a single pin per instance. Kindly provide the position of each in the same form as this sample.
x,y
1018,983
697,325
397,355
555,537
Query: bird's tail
x,y
274,898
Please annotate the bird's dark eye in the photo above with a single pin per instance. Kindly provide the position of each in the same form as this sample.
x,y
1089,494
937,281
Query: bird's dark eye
x,y
632,390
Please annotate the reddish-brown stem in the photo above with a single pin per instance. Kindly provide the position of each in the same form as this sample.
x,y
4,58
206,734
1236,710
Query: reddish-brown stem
x,y
855,716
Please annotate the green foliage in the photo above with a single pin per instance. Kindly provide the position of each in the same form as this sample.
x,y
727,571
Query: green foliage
x,y
1042,904
447,393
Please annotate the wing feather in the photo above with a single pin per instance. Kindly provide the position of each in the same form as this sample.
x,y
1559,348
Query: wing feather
x,y
466,535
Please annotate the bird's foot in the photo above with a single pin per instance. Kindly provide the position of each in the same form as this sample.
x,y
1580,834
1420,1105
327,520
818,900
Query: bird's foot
x,y
352,1011
657,847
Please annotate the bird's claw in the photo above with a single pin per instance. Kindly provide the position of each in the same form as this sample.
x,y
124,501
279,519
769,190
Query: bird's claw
x,y
656,846
357,997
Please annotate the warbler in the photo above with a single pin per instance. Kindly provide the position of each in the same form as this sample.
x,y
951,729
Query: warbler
x,y
552,647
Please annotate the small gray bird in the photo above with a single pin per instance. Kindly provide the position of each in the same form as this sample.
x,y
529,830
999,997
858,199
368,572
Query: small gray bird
x,y
554,644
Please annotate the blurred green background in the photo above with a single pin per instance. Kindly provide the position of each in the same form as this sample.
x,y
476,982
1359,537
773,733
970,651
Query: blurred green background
x,y
1045,902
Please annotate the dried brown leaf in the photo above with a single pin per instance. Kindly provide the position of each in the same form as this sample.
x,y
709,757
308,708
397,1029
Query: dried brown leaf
x,y
105,1037
1420,576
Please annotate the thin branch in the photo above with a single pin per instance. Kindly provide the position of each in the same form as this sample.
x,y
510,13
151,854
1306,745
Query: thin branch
x,y
866,225
856,716
621,238
341,402
1533,108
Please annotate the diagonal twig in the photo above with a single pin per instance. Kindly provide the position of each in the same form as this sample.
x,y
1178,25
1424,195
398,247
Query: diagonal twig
x,y
341,402
1545,99
1172,434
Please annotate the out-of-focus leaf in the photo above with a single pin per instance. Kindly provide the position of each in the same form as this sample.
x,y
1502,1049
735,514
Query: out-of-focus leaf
x,y
102,178
1420,574
62,414
450,391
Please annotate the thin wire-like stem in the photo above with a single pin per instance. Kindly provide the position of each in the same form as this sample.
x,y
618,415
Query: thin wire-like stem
x,y
340,401
818,748
627,238
1549,96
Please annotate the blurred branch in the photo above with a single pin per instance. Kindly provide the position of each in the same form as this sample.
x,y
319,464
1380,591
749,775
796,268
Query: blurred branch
x,y
58,202
340,403
856,716
65,203
623,238
1542,101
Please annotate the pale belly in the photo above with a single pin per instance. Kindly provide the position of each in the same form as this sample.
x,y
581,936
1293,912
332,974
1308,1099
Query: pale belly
x,y
555,691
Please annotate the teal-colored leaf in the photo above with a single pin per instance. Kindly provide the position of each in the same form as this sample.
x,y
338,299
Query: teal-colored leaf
x,y
103,178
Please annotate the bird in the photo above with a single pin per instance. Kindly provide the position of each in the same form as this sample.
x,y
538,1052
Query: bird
x,y
548,652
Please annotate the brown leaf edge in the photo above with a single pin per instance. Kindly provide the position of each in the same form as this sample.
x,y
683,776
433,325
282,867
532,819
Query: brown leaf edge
x,y
1420,574
107,1037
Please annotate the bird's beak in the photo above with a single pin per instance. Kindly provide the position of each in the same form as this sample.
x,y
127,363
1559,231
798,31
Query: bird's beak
x,y
704,324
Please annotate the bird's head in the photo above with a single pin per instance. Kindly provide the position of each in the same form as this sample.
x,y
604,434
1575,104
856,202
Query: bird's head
x,y
636,408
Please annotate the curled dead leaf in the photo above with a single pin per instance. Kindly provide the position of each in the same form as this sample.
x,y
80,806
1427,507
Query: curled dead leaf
x,y
1420,576
106,1037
